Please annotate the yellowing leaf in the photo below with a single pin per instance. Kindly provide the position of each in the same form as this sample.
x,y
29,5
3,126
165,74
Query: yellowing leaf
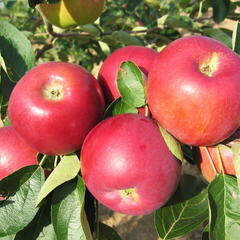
x,y
67,169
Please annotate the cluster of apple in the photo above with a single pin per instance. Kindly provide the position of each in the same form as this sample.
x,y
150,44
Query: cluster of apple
x,y
192,90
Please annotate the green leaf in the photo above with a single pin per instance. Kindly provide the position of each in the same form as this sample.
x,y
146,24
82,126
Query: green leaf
x,y
186,210
173,145
107,233
177,21
41,227
67,169
224,207
6,87
110,16
126,38
220,9
131,84
219,35
14,181
104,47
69,219
19,209
93,29
16,50
10,237
33,3
132,4
236,38
119,107
205,233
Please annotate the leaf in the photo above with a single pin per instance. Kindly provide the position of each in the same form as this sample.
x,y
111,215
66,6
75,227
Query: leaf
x,y
131,84
110,16
220,9
6,87
33,3
236,160
118,107
173,145
93,29
186,210
205,233
10,237
69,219
132,4
107,233
41,227
104,47
19,209
177,21
14,181
16,50
236,38
219,35
224,207
126,38
67,169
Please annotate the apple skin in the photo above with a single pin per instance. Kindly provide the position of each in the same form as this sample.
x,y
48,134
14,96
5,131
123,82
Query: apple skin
x,y
194,90
14,152
127,165
54,106
212,153
142,56
70,13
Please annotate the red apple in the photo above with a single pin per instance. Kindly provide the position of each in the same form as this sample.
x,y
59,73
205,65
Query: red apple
x,y
211,158
14,152
194,90
54,106
141,56
69,13
127,165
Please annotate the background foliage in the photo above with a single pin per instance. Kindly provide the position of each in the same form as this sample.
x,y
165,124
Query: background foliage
x,y
151,23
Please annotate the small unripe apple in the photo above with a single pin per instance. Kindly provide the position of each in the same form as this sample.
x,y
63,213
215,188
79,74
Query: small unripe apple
x,y
127,165
69,13
142,56
214,158
14,152
194,90
54,106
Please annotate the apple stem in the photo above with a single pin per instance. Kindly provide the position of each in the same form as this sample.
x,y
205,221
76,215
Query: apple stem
x,y
210,66
211,161
43,160
146,112
219,157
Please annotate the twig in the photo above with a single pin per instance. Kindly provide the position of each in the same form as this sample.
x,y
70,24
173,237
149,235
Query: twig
x,y
47,46
85,34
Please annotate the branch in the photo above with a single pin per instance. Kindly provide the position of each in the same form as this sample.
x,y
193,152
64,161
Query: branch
x,y
47,46
85,34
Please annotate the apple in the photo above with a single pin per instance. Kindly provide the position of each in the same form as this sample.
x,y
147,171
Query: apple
x,y
14,152
69,13
193,90
211,158
54,106
107,76
127,165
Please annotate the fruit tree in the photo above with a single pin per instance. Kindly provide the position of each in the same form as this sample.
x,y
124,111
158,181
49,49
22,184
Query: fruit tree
x,y
128,107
